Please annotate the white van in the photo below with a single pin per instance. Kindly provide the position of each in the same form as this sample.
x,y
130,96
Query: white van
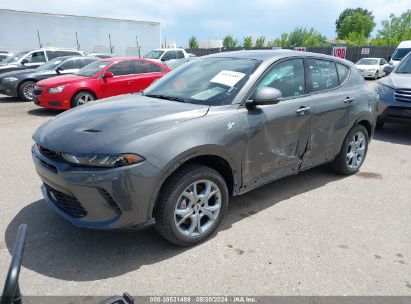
x,y
402,49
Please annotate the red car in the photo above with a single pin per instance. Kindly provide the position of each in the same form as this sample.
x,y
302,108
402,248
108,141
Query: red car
x,y
100,79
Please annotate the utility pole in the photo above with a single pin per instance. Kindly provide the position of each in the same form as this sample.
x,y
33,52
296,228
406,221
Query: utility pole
x,y
38,36
138,47
78,45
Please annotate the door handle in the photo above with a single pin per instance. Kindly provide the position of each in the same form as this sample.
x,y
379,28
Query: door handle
x,y
349,100
303,110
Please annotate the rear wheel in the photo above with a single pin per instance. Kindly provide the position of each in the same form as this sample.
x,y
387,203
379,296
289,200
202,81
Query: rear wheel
x,y
353,151
26,90
192,205
82,98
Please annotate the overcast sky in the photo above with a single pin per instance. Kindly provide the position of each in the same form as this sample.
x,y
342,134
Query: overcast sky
x,y
213,19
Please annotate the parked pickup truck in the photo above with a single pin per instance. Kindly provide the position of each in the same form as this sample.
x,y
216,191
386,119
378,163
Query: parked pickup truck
x,y
160,55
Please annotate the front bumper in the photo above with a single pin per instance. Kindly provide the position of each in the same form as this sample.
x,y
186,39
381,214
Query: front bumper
x,y
9,89
367,74
391,109
115,198
57,101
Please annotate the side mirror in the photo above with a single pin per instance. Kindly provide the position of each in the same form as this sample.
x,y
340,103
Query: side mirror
x,y
388,69
389,58
108,75
265,96
59,70
24,61
163,59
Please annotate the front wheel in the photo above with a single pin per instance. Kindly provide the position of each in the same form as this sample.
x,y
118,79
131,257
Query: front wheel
x,y
26,90
82,98
353,151
376,75
191,205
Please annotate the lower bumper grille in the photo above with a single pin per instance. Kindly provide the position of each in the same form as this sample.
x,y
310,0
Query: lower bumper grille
x,y
69,204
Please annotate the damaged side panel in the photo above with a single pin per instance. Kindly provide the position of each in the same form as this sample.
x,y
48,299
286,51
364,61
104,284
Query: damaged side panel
x,y
276,140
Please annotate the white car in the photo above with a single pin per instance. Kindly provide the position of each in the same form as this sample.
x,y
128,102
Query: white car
x,y
161,55
371,67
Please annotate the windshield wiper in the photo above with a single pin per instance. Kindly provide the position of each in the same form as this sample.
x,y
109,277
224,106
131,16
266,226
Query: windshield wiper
x,y
173,98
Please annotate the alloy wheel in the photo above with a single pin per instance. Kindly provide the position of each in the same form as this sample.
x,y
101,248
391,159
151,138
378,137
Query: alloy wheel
x,y
197,208
28,90
356,151
84,98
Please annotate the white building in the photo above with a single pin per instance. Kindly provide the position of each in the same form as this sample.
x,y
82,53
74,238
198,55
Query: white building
x,y
27,30
210,44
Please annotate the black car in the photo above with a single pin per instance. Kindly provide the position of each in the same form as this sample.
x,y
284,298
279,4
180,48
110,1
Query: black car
x,y
21,83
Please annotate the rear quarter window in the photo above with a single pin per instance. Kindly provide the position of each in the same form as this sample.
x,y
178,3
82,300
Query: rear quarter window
x,y
343,72
323,75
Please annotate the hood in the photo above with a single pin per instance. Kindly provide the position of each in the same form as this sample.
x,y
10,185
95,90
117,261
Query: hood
x,y
60,80
17,73
397,81
126,118
366,66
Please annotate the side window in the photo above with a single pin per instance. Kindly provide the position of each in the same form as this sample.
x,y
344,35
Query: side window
x,y
169,55
180,54
286,76
343,72
86,61
323,74
36,57
69,64
122,68
141,67
384,61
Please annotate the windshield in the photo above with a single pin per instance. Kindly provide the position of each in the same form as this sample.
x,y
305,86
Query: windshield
x,y
15,57
211,81
51,65
93,68
405,66
368,61
400,53
154,54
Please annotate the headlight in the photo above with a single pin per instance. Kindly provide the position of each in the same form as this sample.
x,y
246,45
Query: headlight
x,y
57,89
382,89
9,79
103,160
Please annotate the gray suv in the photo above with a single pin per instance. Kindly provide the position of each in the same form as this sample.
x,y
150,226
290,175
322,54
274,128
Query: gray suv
x,y
214,128
31,59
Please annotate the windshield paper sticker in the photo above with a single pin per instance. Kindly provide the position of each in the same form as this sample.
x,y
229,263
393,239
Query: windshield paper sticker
x,y
228,78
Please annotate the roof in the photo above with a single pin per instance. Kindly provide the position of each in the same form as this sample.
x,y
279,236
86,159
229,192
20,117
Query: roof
x,y
76,16
270,55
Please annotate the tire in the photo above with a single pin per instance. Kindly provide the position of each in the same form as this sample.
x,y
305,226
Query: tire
x,y
82,98
380,123
176,214
26,90
342,163
376,75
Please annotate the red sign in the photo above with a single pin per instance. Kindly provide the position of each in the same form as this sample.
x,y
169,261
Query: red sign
x,y
300,48
340,51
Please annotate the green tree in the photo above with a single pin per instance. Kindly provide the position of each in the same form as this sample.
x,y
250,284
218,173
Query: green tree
x,y
356,39
394,30
358,20
260,42
248,42
300,37
193,42
229,42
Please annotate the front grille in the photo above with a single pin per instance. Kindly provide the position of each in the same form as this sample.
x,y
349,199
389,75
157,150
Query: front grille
x,y
50,154
38,90
69,204
403,95
110,200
